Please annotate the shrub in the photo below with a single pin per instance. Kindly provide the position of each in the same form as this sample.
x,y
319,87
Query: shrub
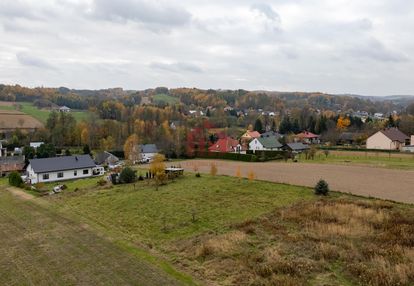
x,y
198,175
321,188
127,176
15,179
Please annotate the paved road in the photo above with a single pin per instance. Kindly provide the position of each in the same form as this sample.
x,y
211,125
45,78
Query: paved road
x,y
392,184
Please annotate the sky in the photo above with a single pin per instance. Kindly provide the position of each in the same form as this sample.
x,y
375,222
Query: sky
x,y
333,46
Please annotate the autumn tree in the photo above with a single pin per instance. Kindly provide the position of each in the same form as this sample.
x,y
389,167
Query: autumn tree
x,y
213,169
342,123
132,148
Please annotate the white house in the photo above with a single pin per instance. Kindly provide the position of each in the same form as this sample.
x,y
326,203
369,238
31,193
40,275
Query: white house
x,y
148,151
62,168
265,143
64,109
36,144
409,148
388,139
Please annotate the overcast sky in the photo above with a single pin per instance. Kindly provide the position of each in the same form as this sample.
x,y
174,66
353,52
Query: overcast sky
x,y
336,46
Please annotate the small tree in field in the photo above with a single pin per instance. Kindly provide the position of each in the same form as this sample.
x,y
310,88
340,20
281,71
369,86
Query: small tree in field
x,y
15,179
213,169
238,173
128,176
322,188
326,152
157,165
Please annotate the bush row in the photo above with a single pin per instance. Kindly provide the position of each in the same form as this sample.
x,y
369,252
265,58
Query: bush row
x,y
227,156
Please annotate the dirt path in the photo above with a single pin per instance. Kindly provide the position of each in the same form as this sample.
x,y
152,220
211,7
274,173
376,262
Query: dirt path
x,y
397,185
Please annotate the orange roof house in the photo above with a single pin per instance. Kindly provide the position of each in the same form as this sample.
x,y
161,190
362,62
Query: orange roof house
x,y
226,145
250,135
307,137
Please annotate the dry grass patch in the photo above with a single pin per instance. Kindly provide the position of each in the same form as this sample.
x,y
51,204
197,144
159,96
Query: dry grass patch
x,y
328,242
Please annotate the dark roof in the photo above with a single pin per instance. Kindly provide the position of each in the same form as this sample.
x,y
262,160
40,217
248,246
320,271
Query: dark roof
x,y
297,146
269,142
101,157
61,163
395,134
149,148
271,134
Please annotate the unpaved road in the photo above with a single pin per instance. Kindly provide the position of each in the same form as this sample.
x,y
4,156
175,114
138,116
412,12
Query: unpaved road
x,y
397,185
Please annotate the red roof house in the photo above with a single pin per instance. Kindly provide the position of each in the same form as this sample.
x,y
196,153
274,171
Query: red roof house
x,y
307,137
226,145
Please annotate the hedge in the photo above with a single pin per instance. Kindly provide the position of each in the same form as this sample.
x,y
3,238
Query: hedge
x,y
264,155
333,148
226,156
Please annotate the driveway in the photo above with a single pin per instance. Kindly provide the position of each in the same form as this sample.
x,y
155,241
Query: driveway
x,y
391,184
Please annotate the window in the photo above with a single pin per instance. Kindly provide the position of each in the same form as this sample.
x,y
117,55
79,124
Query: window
x,y
60,175
45,176
75,173
85,172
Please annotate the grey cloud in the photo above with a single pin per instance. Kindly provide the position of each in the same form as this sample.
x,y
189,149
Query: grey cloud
x,y
29,60
266,10
176,67
141,11
375,50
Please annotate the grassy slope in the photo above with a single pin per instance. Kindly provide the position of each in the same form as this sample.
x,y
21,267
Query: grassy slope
x,y
385,160
39,246
43,114
165,99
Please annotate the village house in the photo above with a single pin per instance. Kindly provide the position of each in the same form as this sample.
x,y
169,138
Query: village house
x,y
249,136
409,148
388,139
62,168
297,147
64,109
35,144
147,152
11,164
307,138
3,151
265,144
226,145
106,159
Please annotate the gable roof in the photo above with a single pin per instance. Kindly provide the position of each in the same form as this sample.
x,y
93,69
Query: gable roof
x,y
148,148
272,134
61,163
101,157
224,145
307,134
395,134
252,134
269,142
297,146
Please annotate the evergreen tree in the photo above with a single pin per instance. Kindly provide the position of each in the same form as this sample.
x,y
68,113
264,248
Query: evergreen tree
x,y
258,126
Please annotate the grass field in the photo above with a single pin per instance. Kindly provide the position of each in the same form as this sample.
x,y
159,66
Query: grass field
x,y
375,159
219,230
39,246
166,99
41,114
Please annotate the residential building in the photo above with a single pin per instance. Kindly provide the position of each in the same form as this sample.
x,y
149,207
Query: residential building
x,y
307,138
249,136
148,151
106,158
388,139
297,147
3,151
265,143
226,145
272,134
62,168
36,144
11,164
64,109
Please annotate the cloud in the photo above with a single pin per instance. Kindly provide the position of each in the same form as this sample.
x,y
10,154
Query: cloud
x,y
176,67
141,11
375,50
29,60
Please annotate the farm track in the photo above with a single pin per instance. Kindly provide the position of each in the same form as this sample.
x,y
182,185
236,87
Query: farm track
x,y
389,184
